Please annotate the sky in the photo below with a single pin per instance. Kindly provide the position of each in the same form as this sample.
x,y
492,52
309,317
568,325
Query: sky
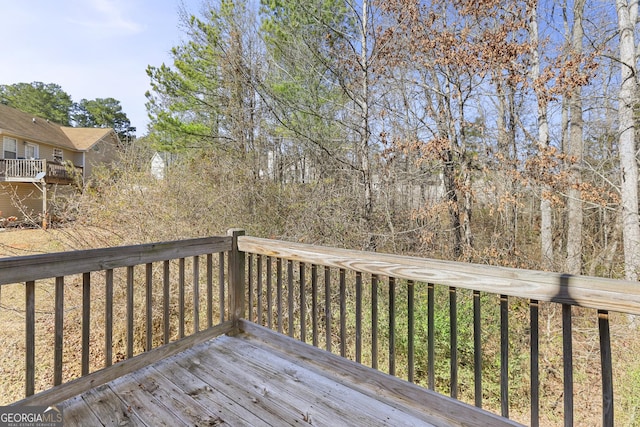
x,y
90,48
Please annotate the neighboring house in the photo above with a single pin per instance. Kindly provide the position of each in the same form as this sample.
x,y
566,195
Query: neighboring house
x,y
160,163
38,155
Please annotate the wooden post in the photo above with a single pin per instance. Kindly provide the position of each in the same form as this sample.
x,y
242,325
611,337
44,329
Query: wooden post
x,y
236,279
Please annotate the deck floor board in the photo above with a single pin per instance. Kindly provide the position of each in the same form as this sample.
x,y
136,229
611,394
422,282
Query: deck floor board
x,y
257,379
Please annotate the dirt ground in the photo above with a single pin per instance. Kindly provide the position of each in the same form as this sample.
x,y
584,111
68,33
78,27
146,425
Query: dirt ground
x,y
16,242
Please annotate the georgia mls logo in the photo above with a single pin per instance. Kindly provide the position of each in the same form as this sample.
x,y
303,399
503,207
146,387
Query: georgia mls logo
x,y
30,416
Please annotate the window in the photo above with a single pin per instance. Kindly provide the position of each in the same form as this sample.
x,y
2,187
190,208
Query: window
x,y
10,148
57,155
31,151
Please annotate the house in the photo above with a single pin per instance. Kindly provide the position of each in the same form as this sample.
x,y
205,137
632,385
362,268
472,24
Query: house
x,y
38,156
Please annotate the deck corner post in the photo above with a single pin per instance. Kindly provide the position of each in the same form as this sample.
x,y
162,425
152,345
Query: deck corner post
x,y
236,279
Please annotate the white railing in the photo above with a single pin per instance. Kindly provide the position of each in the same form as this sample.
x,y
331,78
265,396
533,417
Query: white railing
x,y
23,169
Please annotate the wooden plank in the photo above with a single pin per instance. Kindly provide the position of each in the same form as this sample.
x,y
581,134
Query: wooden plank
x,y
76,412
34,267
64,391
182,406
320,398
105,406
431,406
303,302
143,404
600,293
228,410
221,379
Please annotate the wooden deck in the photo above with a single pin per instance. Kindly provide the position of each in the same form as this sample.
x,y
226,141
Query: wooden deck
x,y
260,378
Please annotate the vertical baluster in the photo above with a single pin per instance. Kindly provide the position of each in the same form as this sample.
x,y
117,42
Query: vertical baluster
x,y
606,368
567,358
59,328
30,337
86,321
290,295
535,362
431,335
108,319
250,288
374,321
314,303
259,290
343,313
221,285
303,303
327,307
504,355
166,296
269,296
149,286
410,330
392,326
358,317
209,290
130,312
453,340
181,280
278,294
196,293
477,349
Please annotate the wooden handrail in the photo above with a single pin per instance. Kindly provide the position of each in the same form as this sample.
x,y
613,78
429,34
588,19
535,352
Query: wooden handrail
x,y
404,274
593,292
57,266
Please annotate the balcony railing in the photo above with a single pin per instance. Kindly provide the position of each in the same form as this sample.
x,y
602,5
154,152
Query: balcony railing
x,y
411,317
23,170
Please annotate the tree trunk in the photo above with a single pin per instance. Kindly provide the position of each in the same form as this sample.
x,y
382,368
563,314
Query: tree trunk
x,y
627,15
574,150
546,225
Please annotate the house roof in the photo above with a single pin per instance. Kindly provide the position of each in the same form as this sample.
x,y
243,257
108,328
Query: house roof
x,y
25,126
84,138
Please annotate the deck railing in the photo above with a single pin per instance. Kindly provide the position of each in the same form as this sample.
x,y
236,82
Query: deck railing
x,y
378,309
334,297
157,316
27,170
